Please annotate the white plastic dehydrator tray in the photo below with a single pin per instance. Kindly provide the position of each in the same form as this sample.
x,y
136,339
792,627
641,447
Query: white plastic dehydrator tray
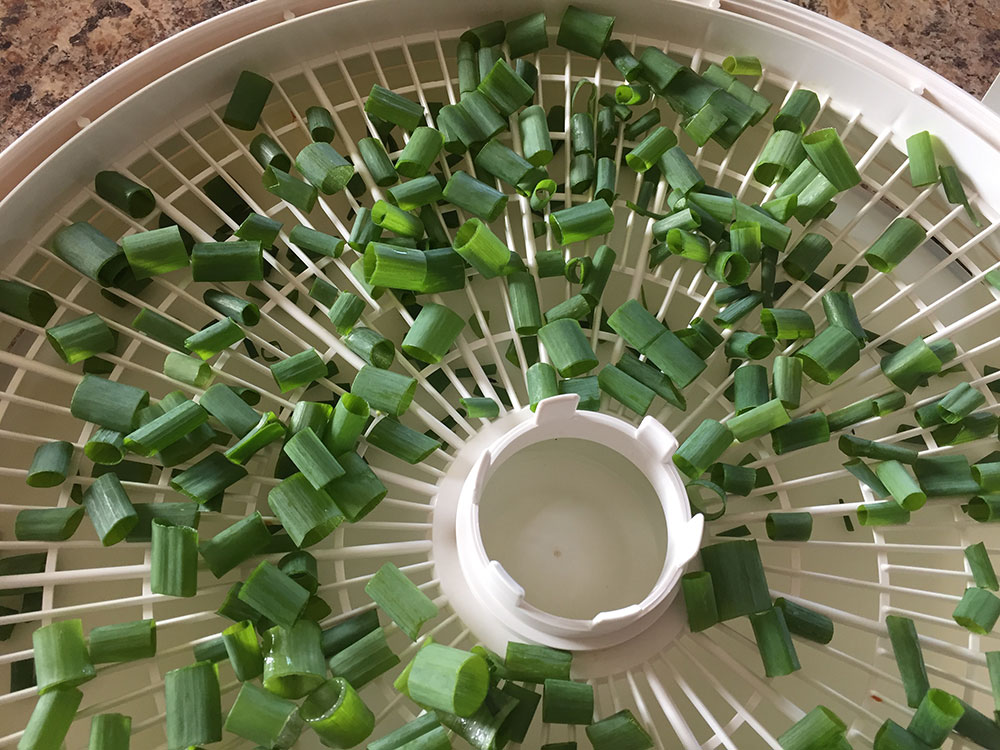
x,y
702,690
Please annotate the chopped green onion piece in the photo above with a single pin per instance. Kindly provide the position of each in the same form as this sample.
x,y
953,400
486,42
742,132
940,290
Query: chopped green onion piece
x,y
648,152
935,717
246,103
801,432
154,252
391,107
900,238
384,390
620,731
371,346
567,702
259,228
738,480
263,718
891,736
108,403
804,622
337,714
90,252
244,651
888,513
236,544
820,728
409,445
738,309
978,611
954,191
340,636
584,32
307,513
786,382
789,527
527,662
737,577
806,256
233,412
567,347
50,464
625,389
702,448
167,429
742,66
293,191
779,323
268,153
420,152
350,416
480,407
541,382
365,659
774,641
826,151
782,153
959,403
274,594
61,657
293,664
123,642
700,493
109,509
746,345
298,370
26,302
981,567
50,720
359,490
134,199
828,356
110,732
194,706
581,222
526,35
208,478
345,311
478,245
523,296
227,261
478,198
504,88
840,311
433,333
174,560
699,600
759,420
447,679
47,524
920,152
162,329
211,340
238,310
398,597
636,325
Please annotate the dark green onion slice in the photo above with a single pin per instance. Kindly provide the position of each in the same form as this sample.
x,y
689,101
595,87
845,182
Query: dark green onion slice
x,y
959,403
162,329
620,731
523,296
294,191
391,107
821,727
978,611
194,706
154,252
359,490
247,102
61,657
123,642
298,370
625,389
576,307
414,194
622,58
105,447
789,527
233,412
264,718
747,345
584,32
324,168
805,622
265,432
749,388
541,382
26,302
134,199
268,153
243,650
786,381
840,311
447,679
526,35
90,252
47,524
738,480
274,594
478,198
742,66
50,720
581,222
235,308
828,356
167,429
398,597
954,191
504,88
900,238
173,560
567,347
50,464
384,390
364,659
780,323
401,441
109,509
371,346
798,112
699,600
319,121
110,732
806,256
236,544
707,498
910,366
782,153
526,662
702,448
980,566
648,152
801,432
774,642
308,514
887,513
567,702
259,228
208,478
227,261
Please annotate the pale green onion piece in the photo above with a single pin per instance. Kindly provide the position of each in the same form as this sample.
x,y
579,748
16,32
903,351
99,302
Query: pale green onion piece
x,y
978,611
401,441
901,237
475,197
415,194
581,222
50,465
243,650
786,381
742,66
337,714
575,307
620,731
274,594
806,256
887,513
293,664
779,323
50,720
981,567
954,191
105,447
263,718
699,600
110,732
348,422
109,509
827,152
174,560
154,252
167,429
484,251
90,252
727,267
433,333
194,706
162,329
293,191
648,152
828,356
324,168
345,312
211,340
959,403
920,152
774,642
541,383
908,367
702,448
123,642
108,403
399,598
935,717
61,657
820,728
782,153
359,490
759,420
298,370
384,390
189,370
227,261
567,347
479,407
523,296
308,514
635,324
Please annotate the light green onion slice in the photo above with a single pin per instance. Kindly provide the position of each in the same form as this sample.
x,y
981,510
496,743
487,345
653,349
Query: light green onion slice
x,y
212,339
364,659
648,152
920,152
447,679
805,622
483,250
90,252
243,650
189,370
359,490
786,381
821,727
774,642
227,261
978,611
194,706
208,478
174,560
959,403
263,718
702,448
567,347
274,594
110,732
567,702
433,333
801,432
384,390
47,524
620,731
307,513
625,389
901,485
782,153
162,329
758,421
259,228
504,88
901,237
154,252
293,191
233,412
123,642
235,308
50,464
826,151
337,714
779,323
475,197
541,382
581,222
108,403
399,598
109,509
61,657
935,717
828,356
701,493
699,600
167,429
50,720
789,527
981,567
293,660
298,370
806,256
888,513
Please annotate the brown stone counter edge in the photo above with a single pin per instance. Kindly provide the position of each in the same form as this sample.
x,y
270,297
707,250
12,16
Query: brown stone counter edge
x,y
52,50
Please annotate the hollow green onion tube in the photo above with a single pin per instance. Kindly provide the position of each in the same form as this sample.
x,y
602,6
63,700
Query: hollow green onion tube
x,y
293,191
274,594
359,490
433,333
268,153
90,252
581,222
699,600
891,736
826,151
419,152
707,498
401,441
246,103
920,152
786,324
567,702
293,664
828,356
167,429
105,447
911,365
541,383
625,389
702,448
298,370
789,527
174,560
227,261
308,514
526,35
746,345
478,198
727,267
536,145
901,237
978,611
447,679
504,88
162,329
384,390
804,622
232,411
983,508
50,720
636,324
345,312
134,199
653,146
208,478
737,309
601,268
909,657
523,296
786,381
123,642
324,168
61,657
194,706
798,112
395,267
670,355
739,480
26,302
851,414
414,194
821,727
348,422
959,403
484,251
259,228
774,642
749,388
782,153
236,309
480,407
365,659
110,732
398,597
576,308
50,464
620,731
337,714
689,245
935,717
244,651
567,347
980,565
377,162
212,339
806,256
737,577
840,311
313,458
371,346
264,718
584,32
236,544
887,513
109,509
47,524
154,252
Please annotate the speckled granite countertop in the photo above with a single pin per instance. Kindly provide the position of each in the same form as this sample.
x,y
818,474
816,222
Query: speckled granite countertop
x,y
51,49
